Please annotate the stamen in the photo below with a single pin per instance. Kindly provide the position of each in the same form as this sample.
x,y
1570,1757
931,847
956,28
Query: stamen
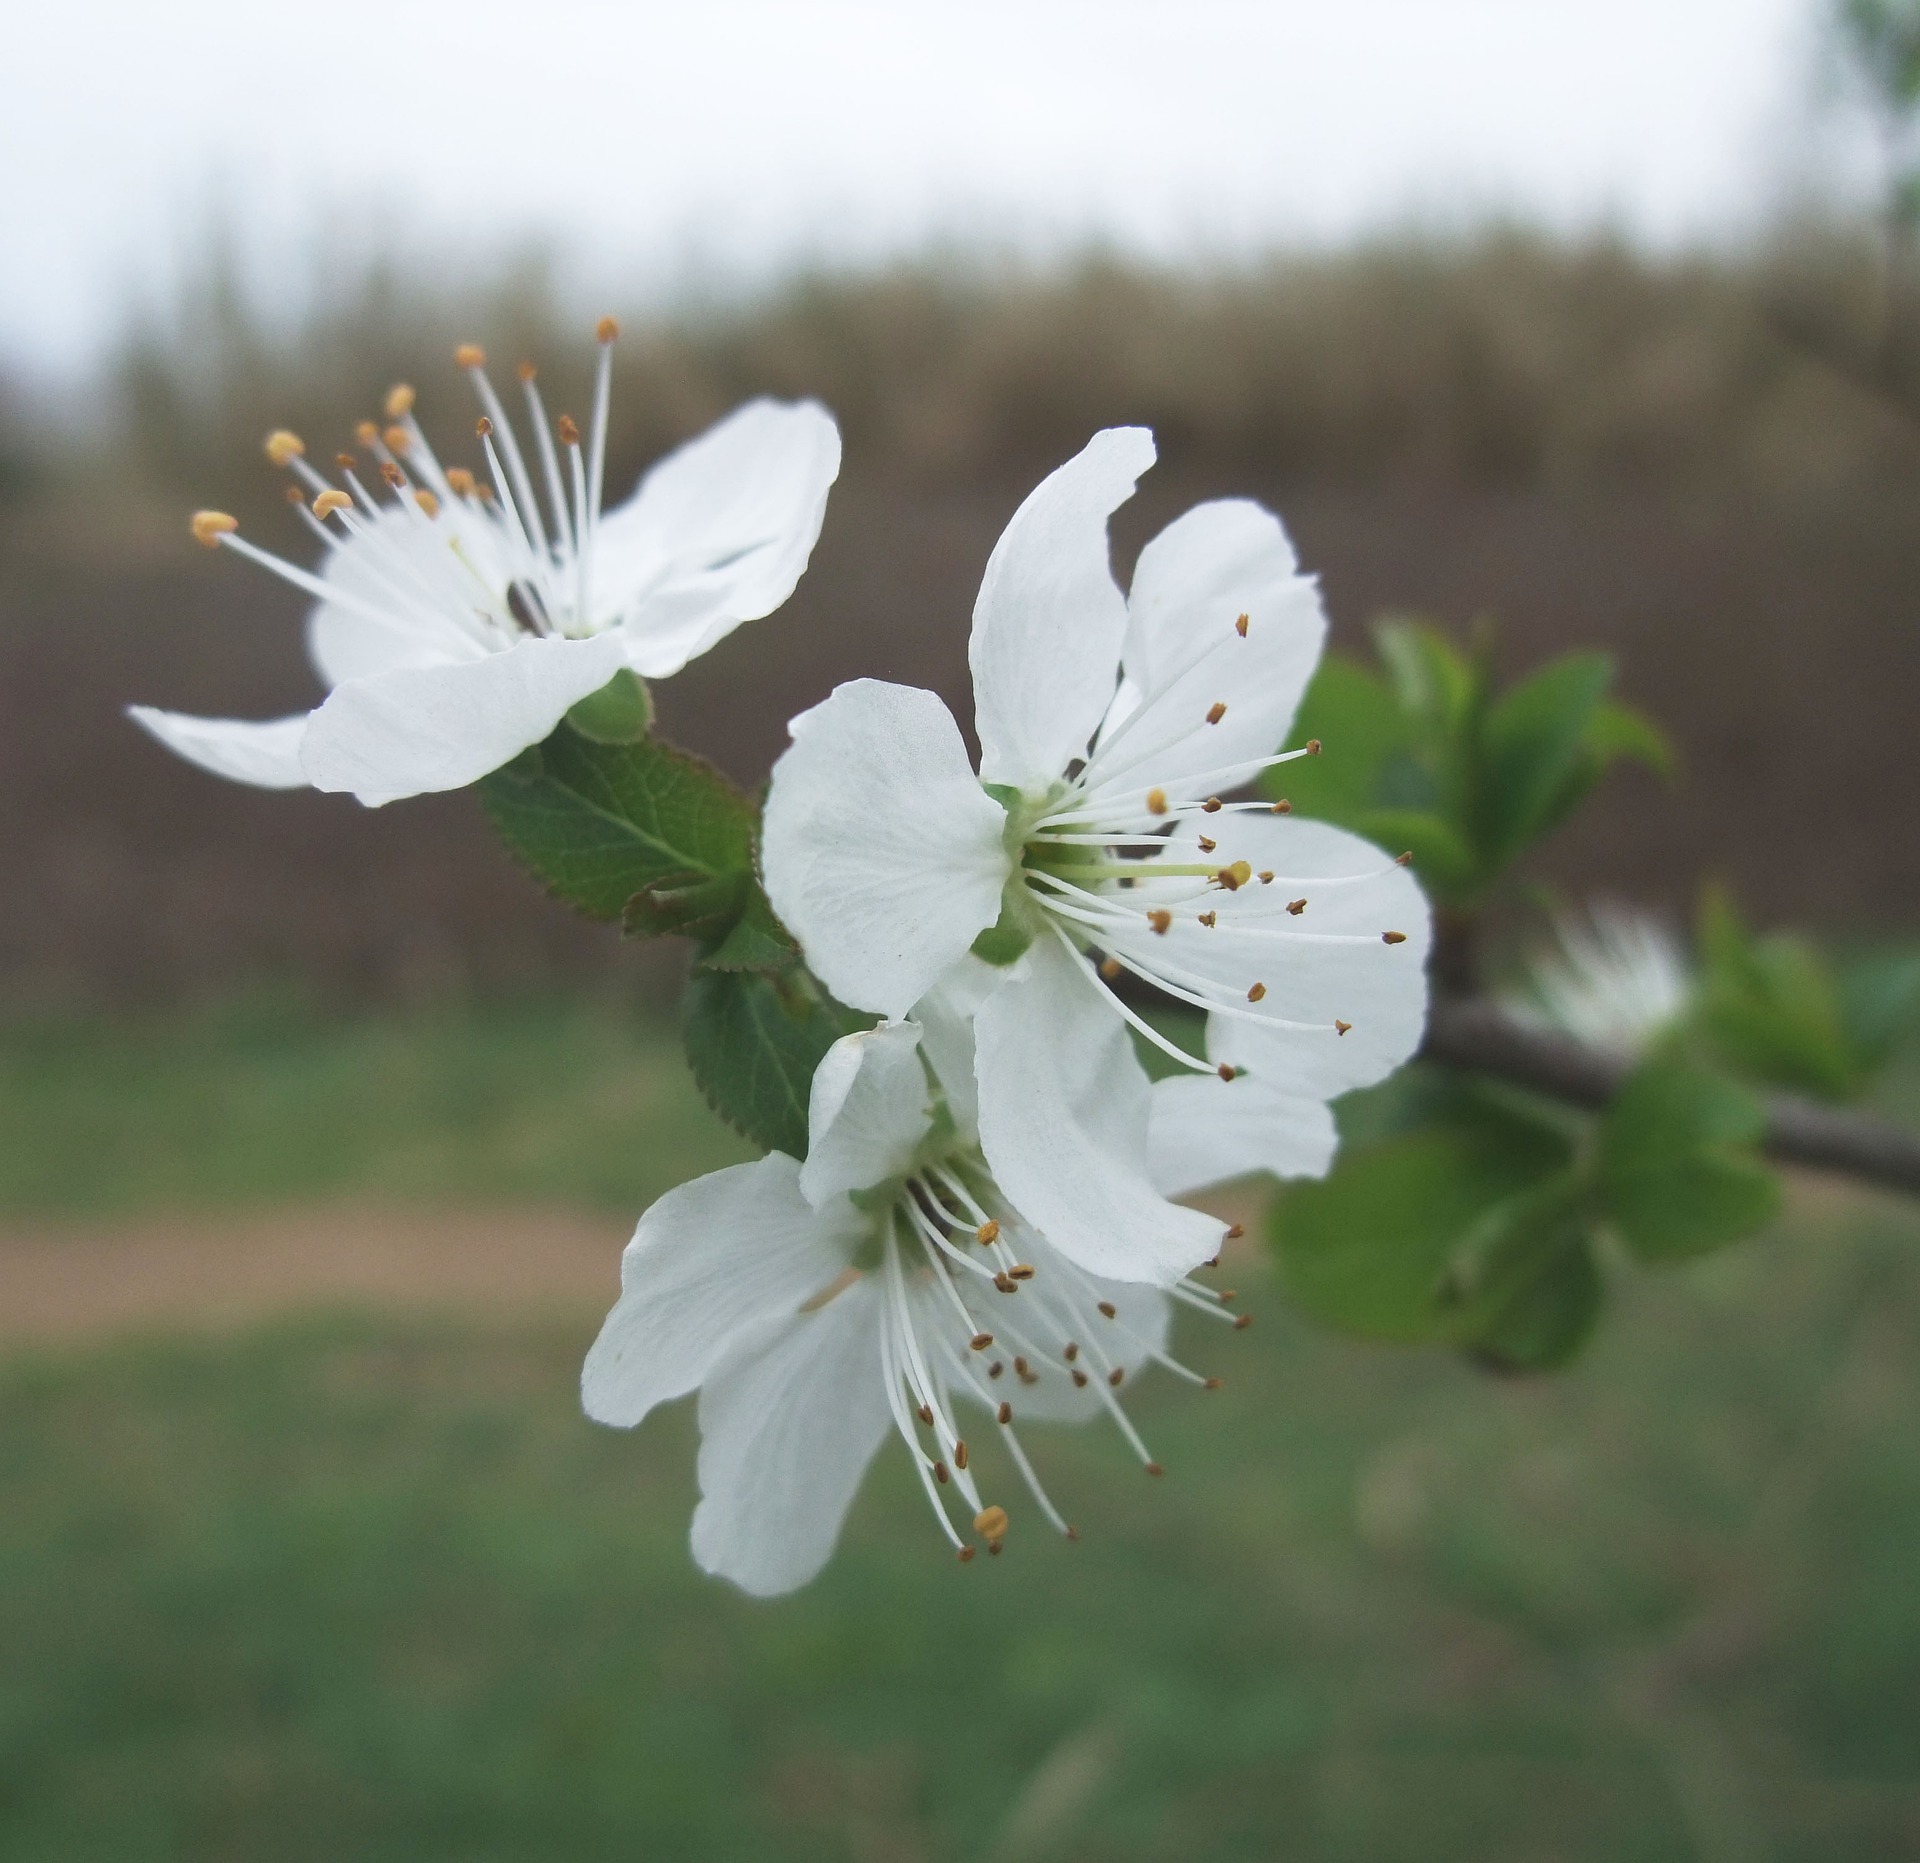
x,y
1216,711
1296,906
397,438
991,1523
988,1232
979,1342
569,433
1341,1027
284,446
1393,937
331,501
1313,747
1156,802
1160,919
1256,993
1207,845
460,480
1283,807
210,526
1240,627
399,401
607,330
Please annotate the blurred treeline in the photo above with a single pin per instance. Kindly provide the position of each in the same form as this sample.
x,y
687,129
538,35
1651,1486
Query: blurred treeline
x,y
1710,464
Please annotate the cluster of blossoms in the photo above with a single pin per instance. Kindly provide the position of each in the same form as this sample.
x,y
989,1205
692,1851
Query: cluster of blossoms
x,y
983,1230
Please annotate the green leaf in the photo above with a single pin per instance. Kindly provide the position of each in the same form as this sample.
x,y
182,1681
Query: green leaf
x,y
753,1042
1372,1247
1522,1291
1530,751
687,905
755,941
1621,732
621,712
598,823
1676,1172
1433,681
1879,1002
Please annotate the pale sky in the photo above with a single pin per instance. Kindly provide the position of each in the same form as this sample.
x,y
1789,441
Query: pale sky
x,y
735,135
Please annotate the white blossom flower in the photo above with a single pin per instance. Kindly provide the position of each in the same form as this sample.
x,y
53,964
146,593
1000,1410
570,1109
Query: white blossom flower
x,y
899,1279
1617,981
459,617
1109,728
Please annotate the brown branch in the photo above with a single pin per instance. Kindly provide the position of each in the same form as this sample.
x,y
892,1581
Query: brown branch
x,y
1474,1034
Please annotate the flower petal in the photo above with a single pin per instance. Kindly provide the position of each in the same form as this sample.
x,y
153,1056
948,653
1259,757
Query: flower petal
x,y
405,568
788,1425
945,1015
711,1263
718,532
1051,1120
265,754
881,852
1049,621
1185,655
427,728
867,1114
1209,1131
1326,965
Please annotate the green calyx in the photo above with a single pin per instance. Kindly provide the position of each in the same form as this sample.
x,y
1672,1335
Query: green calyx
x,y
621,712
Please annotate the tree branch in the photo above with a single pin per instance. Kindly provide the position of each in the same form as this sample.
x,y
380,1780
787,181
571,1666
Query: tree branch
x,y
1474,1034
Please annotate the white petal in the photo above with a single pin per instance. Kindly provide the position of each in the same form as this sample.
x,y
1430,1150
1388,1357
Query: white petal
x,y
1048,1122
421,729
787,1427
1326,966
881,851
1209,1131
718,533
867,1113
1049,620
1137,1329
712,1262
1192,583
945,1015
265,754
399,565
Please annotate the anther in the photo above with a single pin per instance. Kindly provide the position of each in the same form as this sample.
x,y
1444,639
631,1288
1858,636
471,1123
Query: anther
x,y
1296,906
1242,1321
979,1342
1020,1271
926,1415
1340,1028
1026,1377
993,1548
346,461
1236,1232
1207,918
283,445
1006,1284
390,474
331,501
427,502
1117,1376
1212,1261
295,496
1211,806
1283,807
210,526
526,371
1156,802
1235,877
482,427
1207,846
469,356
1240,627
1108,1308
995,1369
1112,969
965,1554
460,481
1216,711
1256,993
399,401
1079,1378
1213,1384
988,1232
1266,877
990,1523
1019,1368
1160,918
569,433
1228,1295
1404,860
1070,1351
1073,1533
606,330
1226,1071
940,1473
1313,747
959,1455
1005,1413
1154,1468
1393,937
398,439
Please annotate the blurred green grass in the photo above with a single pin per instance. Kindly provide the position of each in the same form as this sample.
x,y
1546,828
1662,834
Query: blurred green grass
x,y
371,1587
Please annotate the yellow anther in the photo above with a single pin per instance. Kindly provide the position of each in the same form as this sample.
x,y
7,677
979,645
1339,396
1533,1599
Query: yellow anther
x,y
331,501
1283,807
398,439
284,446
1393,937
1156,802
988,1232
210,526
346,461
460,481
990,1522
482,427
569,432
1216,711
1112,969
427,502
367,433
399,401
1160,918
1240,627
606,330
470,356
1296,906
980,1341
1340,1028
1404,860
1313,747
1234,877
1020,1272
1207,919
1256,993
391,475
294,495
1211,806
1266,876
1206,845
526,371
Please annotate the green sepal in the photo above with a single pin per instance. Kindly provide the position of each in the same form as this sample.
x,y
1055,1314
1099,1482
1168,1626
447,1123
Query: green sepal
x,y
621,712
1675,1172
686,904
599,823
1005,941
753,1041
756,940
1008,795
